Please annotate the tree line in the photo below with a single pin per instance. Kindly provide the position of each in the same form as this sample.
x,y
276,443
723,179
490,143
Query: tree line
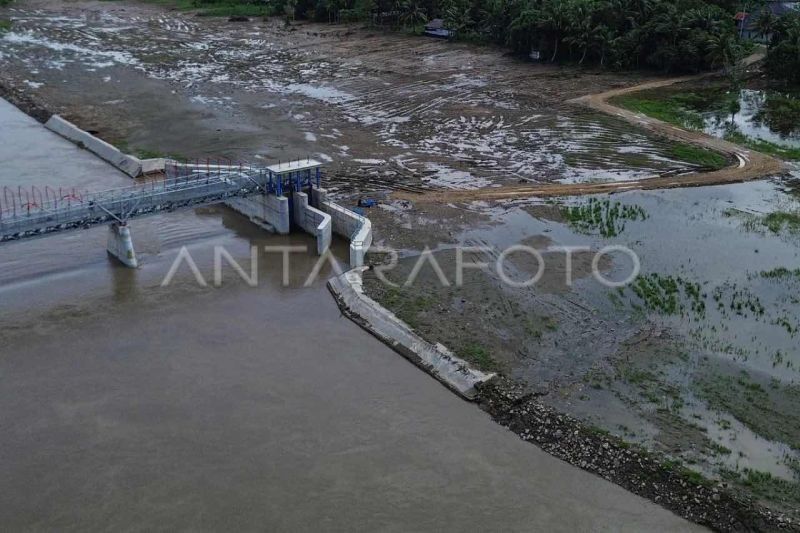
x,y
669,35
783,44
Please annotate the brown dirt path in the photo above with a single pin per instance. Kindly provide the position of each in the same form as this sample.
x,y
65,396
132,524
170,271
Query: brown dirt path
x,y
748,164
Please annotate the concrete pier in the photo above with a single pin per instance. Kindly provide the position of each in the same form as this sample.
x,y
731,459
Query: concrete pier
x,y
120,245
268,211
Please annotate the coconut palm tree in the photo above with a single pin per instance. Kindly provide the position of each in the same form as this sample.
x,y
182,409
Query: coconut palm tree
x,y
765,24
412,13
555,20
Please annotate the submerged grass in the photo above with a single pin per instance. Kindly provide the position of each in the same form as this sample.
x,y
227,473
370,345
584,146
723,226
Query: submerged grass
x,y
772,413
602,216
669,295
776,222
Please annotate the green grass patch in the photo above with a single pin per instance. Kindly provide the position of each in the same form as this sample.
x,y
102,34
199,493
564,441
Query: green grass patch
x,y
5,25
766,486
765,147
406,306
698,156
477,355
146,153
665,109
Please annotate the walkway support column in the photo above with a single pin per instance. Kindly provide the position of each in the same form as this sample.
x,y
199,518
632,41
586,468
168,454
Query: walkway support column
x,y
120,245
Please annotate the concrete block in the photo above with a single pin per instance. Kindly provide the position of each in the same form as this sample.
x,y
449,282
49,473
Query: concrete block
x,y
120,245
126,163
153,165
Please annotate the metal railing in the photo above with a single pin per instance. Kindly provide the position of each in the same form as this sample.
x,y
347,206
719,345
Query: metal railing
x,y
26,213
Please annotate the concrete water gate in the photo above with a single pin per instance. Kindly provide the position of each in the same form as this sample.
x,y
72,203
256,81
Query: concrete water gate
x,y
273,197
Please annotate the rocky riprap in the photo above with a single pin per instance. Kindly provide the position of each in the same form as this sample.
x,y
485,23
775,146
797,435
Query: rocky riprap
x,y
717,506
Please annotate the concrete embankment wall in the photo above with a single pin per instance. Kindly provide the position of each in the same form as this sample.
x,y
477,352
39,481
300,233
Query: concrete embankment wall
x,y
313,221
128,164
435,359
270,212
348,224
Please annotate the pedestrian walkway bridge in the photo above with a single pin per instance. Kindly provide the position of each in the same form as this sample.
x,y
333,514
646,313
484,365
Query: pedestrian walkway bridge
x,y
258,192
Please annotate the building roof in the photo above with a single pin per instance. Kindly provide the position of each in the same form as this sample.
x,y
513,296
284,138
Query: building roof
x,y
778,9
294,166
435,24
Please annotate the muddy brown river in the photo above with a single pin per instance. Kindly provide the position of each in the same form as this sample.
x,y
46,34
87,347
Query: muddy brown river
x,y
126,405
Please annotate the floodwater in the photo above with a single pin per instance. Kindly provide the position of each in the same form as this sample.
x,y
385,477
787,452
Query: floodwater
x,y
435,115
744,336
761,114
128,404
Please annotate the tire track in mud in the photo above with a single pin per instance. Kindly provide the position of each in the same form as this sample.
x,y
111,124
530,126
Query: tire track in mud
x,y
748,164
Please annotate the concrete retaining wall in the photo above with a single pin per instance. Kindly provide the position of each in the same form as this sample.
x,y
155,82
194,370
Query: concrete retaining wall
x,y
313,221
435,359
270,211
126,163
347,224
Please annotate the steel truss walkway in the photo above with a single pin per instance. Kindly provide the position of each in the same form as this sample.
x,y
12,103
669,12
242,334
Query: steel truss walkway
x,y
27,213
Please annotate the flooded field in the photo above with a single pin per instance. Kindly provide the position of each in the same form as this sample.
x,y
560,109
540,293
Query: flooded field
x,y
697,358
436,115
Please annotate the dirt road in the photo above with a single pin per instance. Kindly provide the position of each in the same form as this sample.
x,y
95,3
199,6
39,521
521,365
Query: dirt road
x,y
749,164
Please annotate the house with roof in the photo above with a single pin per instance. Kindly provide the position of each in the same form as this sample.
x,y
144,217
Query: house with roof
x,y
746,20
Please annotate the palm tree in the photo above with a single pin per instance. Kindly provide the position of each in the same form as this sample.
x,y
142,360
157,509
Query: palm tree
x,y
412,13
765,24
582,31
458,16
522,27
555,19
724,51
605,38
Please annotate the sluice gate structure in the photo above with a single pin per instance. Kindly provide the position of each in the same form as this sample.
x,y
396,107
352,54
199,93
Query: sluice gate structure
x,y
274,197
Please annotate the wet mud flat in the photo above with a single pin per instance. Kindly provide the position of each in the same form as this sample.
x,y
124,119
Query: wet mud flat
x,y
389,111
696,360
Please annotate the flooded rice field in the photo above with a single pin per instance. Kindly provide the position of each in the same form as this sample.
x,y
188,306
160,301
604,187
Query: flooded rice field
x,y
435,115
697,358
